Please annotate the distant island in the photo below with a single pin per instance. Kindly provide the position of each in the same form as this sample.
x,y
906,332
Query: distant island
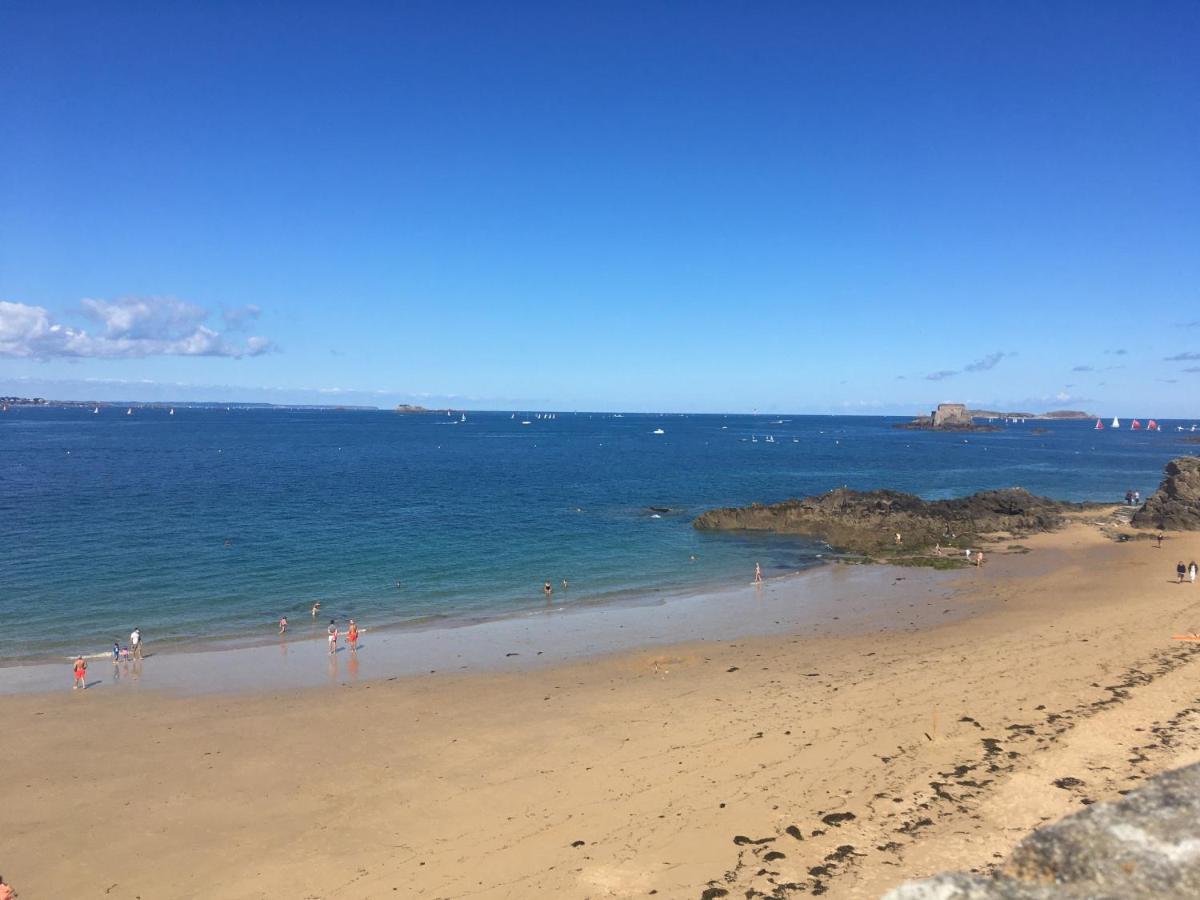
x,y
956,417
410,408
42,402
947,417
1052,414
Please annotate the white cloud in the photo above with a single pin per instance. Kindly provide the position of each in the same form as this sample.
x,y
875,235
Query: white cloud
x,y
131,327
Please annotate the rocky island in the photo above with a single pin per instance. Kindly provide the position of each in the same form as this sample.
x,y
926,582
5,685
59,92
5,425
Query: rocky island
x,y
868,521
947,417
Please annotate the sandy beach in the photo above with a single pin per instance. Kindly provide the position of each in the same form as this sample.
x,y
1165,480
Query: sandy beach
x,y
933,724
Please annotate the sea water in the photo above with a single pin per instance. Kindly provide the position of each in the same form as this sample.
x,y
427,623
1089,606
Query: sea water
x,y
210,524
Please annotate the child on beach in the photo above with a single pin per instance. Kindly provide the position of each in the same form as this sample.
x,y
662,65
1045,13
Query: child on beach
x,y
116,651
352,637
333,636
80,674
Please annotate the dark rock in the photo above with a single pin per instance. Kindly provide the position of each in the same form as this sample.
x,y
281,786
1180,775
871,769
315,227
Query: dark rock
x,y
1146,845
1175,506
867,521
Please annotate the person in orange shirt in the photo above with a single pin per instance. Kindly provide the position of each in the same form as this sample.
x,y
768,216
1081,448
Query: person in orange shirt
x,y
352,637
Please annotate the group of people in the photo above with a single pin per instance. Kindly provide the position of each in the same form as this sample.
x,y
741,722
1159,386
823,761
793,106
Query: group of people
x,y
548,588
333,633
119,654
1187,571
351,636
1133,498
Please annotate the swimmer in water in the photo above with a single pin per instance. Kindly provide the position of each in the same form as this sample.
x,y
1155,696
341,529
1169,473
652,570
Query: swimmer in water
x,y
564,584
547,589
283,625
316,608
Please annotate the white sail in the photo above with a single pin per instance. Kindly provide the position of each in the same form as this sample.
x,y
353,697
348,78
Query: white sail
x,y
1116,423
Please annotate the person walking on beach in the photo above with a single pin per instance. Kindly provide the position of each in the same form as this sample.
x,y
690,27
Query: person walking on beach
x,y
135,643
1159,538
757,574
1192,571
80,681
283,624
352,637
333,636
1181,570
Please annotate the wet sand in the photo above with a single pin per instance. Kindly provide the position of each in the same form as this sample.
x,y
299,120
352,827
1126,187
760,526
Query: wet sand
x,y
930,726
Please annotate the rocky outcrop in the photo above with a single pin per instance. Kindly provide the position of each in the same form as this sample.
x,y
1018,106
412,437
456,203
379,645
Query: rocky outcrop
x,y
1146,845
947,417
1175,506
866,522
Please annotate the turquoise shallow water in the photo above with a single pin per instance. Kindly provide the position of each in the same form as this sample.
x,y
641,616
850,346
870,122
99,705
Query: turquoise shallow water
x,y
211,524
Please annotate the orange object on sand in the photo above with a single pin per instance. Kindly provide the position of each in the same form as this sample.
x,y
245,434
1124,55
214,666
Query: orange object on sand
x,y
1185,637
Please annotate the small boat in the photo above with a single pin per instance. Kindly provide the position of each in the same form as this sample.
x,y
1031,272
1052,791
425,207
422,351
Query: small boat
x,y
95,410
770,438
1099,425
754,439
1152,426
1116,423
513,416
1136,426
172,412
658,431
464,418
129,412
526,422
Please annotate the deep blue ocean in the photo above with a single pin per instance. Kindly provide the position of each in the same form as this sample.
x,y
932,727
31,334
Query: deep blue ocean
x,y
212,523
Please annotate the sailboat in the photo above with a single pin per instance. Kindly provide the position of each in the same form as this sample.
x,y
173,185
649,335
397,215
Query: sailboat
x,y
1135,426
95,410
1152,426
129,412
1099,425
172,412
464,418
1116,423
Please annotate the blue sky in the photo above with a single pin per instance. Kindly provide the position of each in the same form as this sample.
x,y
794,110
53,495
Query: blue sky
x,y
642,206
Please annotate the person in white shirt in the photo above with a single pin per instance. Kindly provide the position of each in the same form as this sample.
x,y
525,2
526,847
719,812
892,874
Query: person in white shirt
x,y
135,643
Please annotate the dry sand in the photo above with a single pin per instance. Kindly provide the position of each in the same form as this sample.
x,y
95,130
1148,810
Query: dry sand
x,y
843,764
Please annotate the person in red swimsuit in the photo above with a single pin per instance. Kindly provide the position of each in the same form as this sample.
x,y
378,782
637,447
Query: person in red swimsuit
x,y
352,636
80,674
